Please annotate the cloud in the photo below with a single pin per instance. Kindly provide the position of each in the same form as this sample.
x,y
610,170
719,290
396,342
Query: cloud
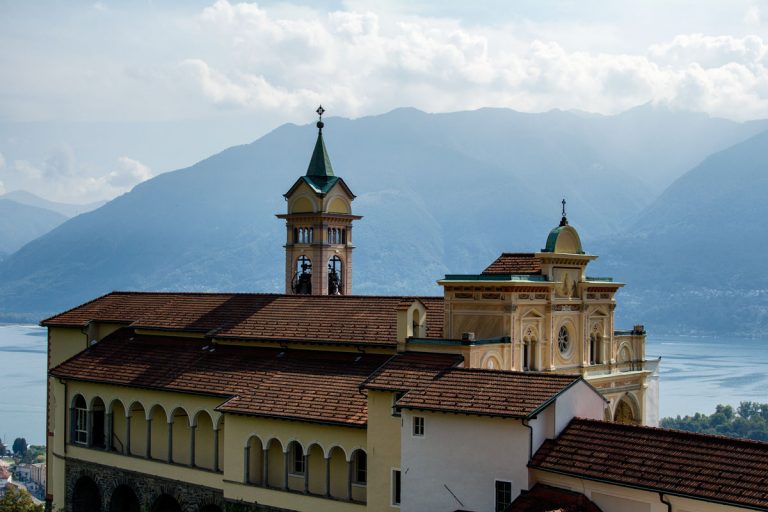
x,y
2,188
753,16
364,62
129,173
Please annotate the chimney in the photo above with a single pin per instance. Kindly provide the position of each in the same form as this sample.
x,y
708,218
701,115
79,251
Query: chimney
x,y
468,336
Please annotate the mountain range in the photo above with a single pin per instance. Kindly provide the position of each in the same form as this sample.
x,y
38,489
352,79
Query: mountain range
x,y
650,190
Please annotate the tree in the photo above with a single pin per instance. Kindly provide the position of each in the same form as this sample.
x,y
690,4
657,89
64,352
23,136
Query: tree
x,y
749,420
20,446
2,448
18,500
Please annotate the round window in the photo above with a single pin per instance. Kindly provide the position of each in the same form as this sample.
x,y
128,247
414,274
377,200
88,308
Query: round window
x,y
563,341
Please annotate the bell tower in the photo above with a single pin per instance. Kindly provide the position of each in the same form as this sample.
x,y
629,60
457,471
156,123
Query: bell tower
x,y
318,247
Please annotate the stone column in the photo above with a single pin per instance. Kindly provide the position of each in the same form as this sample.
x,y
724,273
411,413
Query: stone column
x,y
286,457
328,477
72,425
108,431
89,430
247,466
127,435
216,450
306,473
170,442
349,480
149,438
192,430
265,468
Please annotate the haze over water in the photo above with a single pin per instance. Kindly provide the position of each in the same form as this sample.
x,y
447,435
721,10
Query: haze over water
x,y
696,375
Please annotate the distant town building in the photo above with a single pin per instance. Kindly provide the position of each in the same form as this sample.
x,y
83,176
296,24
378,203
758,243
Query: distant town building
x,y
510,391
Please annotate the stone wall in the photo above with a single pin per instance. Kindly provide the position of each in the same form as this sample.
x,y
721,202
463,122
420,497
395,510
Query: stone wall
x,y
191,498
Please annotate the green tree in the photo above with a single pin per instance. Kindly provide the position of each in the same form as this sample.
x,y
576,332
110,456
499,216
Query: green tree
x,y
749,420
18,500
20,446
2,448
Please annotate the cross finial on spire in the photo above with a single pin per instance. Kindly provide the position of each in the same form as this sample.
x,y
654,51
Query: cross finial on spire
x,y
564,220
320,111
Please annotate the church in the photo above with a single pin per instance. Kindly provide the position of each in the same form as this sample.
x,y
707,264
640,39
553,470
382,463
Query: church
x,y
511,392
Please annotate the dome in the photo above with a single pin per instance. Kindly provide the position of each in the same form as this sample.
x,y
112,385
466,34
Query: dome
x,y
564,239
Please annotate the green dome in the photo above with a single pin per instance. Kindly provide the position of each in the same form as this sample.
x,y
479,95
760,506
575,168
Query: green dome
x,y
563,239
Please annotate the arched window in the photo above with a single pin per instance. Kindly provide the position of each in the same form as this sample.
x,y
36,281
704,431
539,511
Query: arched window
x,y
80,417
594,348
295,235
361,467
297,459
529,349
311,235
564,341
335,276
416,324
302,279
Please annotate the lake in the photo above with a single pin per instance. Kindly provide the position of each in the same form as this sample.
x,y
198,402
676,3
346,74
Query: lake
x,y
696,375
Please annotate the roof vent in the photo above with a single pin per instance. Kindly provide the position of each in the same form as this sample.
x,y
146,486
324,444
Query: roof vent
x,y
468,336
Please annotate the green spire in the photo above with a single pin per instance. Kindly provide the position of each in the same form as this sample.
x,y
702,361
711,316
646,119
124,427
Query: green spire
x,y
320,164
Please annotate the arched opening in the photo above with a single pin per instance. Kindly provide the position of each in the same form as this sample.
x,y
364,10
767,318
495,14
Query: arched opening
x,y
166,503
625,358
138,430
275,464
335,276
254,467
297,464
210,508
301,283
492,363
79,419
124,500
119,440
416,323
159,433
529,350
98,423
625,413
181,437
315,470
594,348
204,440
86,496
359,475
338,473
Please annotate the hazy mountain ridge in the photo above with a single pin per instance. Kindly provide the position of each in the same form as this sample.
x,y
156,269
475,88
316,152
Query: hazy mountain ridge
x,y
695,257
65,209
439,193
21,223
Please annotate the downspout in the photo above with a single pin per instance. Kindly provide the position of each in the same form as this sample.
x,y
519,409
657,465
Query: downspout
x,y
667,503
525,423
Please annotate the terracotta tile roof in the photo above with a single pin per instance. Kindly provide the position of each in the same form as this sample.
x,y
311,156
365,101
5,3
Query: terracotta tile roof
x,y
544,498
699,466
410,370
306,385
515,263
303,318
488,392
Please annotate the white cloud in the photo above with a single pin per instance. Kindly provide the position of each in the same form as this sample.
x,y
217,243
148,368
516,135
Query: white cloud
x,y
753,16
129,173
360,62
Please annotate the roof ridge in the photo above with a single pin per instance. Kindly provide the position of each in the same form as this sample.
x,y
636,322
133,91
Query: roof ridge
x,y
77,307
257,294
518,372
673,431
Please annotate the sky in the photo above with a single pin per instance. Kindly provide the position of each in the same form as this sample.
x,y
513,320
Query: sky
x,y
96,97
